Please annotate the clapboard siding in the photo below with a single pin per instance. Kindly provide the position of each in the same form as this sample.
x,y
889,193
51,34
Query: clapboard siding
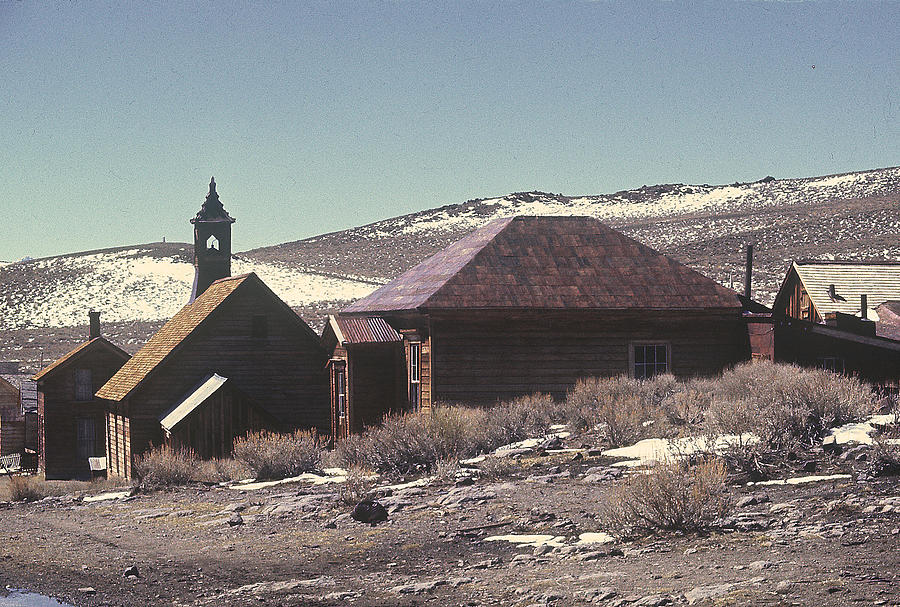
x,y
374,388
284,372
481,358
59,412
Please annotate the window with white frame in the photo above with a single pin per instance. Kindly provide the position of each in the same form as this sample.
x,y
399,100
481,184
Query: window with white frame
x,y
648,360
340,392
415,374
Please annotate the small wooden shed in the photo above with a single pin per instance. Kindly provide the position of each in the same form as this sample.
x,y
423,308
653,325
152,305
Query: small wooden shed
x,y
366,371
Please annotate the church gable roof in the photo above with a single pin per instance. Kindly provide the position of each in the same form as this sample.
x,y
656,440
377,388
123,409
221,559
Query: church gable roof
x,y
179,329
548,263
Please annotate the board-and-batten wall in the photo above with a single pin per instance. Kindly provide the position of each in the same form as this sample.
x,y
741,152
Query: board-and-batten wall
x,y
482,358
283,372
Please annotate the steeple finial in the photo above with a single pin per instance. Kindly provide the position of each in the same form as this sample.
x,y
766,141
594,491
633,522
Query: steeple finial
x,y
212,209
212,185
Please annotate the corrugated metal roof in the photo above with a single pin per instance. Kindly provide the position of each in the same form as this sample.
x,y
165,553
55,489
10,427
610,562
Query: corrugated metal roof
x,y
880,282
548,263
363,330
207,388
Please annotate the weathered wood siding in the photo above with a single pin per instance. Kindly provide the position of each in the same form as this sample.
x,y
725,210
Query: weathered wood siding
x,y
118,442
481,357
793,301
58,412
374,389
12,423
210,430
284,372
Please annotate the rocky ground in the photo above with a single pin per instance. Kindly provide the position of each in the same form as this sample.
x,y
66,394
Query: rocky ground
x,y
832,542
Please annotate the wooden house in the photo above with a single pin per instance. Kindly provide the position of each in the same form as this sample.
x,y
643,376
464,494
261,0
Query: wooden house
x,y
532,304
71,420
836,315
12,419
269,364
366,367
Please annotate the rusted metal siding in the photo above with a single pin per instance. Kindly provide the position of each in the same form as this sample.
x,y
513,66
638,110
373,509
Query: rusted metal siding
x,y
366,329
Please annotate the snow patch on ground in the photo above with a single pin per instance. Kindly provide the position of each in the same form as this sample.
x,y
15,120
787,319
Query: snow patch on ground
x,y
529,540
652,450
859,432
801,480
328,476
102,497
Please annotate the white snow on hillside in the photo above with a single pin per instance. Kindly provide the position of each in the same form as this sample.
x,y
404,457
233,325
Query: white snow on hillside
x,y
129,285
659,201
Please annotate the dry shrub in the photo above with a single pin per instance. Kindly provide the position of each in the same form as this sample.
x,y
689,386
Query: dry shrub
x,y
417,442
274,456
687,408
164,466
26,489
357,487
884,459
222,470
672,496
786,405
624,406
497,468
446,470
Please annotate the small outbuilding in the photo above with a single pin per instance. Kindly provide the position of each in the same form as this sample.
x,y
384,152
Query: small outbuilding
x,y
71,420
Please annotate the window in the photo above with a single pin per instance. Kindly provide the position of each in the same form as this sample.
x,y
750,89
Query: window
x,y
84,386
649,360
212,245
415,374
86,437
340,392
260,327
832,363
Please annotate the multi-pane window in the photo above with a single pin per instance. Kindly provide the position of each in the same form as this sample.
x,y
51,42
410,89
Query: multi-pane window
x,y
340,392
415,374
86,437
650,360
832,363
84,385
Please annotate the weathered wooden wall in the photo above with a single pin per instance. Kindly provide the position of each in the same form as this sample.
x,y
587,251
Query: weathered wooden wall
x,y
374,385
284,372
481,357
58,411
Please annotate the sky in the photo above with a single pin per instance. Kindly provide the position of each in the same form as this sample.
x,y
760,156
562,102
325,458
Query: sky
x,y
315,117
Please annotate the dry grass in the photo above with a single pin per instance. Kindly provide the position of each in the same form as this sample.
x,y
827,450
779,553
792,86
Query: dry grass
x,y
884,459
274,456
357,487
673,496
25,489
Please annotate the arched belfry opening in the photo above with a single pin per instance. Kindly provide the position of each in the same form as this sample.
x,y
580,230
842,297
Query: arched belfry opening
x,y
212,242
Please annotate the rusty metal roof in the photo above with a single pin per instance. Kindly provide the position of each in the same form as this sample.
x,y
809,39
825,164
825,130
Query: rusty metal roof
x,y
547,263
363,330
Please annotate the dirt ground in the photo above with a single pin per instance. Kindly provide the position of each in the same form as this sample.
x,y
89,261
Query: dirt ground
x,y
823,543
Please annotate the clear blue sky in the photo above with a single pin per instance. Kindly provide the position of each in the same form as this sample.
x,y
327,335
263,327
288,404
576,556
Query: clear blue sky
x,y
315,117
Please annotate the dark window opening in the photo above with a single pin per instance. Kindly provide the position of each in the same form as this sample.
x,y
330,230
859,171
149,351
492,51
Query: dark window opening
x,y
260,327
832,363
84,386
650,360
87,443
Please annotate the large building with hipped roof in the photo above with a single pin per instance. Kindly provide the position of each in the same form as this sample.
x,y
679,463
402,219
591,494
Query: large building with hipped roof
x,y
533,304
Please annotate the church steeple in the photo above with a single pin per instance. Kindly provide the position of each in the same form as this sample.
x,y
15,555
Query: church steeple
x,y
212,242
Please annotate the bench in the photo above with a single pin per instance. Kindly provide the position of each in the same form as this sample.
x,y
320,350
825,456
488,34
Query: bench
x,y
97,464
11,463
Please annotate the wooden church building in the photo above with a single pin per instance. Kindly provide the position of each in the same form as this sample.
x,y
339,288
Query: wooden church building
x,y
236,358
71,419
529,304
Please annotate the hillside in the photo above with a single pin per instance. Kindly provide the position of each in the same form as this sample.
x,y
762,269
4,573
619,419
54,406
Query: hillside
x,y
44,302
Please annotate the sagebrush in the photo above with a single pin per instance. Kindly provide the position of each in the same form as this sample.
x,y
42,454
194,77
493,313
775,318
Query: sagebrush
x,y
272,455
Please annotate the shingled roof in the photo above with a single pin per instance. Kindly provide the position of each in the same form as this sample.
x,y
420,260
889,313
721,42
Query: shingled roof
x,y
179,328
547,263
78,351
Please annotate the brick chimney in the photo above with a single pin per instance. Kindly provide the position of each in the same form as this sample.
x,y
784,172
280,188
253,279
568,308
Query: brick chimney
x,y
95,324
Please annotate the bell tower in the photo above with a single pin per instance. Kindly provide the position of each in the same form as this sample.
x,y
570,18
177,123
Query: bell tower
x,y
212,242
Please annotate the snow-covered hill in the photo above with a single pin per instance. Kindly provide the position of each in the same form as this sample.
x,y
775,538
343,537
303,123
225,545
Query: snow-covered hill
x,y
142,283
